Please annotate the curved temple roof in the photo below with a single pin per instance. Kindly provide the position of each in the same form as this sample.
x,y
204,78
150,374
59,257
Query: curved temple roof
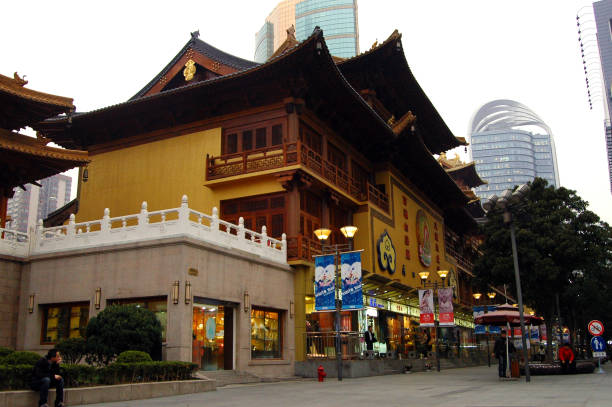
x,y
505,114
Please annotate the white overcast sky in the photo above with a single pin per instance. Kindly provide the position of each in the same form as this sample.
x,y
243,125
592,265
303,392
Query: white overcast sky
x,y
463,53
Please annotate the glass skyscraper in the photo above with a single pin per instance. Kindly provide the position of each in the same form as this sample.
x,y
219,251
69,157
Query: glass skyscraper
x,y
603,18
511,145
337,19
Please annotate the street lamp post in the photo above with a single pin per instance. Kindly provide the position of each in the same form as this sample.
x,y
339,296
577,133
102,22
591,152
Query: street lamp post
x,y
323,235
506,202
434,286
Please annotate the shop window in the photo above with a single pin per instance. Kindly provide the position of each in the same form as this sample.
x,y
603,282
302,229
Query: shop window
x,y
266,333
157,305
62,321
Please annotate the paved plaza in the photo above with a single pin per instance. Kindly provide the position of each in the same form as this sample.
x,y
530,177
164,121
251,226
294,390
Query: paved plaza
x,y
476,386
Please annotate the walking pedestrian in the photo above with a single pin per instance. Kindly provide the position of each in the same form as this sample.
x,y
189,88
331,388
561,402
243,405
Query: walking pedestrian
x,y
499,352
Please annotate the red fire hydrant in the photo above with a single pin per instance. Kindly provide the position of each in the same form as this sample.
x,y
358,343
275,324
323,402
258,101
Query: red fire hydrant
x,y
321,373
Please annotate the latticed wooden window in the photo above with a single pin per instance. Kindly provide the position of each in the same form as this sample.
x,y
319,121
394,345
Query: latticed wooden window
x,y
258,211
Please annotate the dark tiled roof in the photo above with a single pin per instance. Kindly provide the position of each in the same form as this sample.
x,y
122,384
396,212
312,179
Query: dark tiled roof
x,y
204,49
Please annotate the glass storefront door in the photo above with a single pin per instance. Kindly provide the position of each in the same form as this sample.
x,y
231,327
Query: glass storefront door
x,y
212,336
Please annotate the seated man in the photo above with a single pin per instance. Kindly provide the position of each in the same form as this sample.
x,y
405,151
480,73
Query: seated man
x,y
566,356
45,375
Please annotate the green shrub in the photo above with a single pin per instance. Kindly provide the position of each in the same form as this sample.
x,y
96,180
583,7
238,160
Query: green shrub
x,y
78,375
5,352
21,358
117,373
119,328
15,377
72,350
133,356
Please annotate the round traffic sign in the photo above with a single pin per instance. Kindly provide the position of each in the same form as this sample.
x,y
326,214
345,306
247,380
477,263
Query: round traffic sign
x,y
596,328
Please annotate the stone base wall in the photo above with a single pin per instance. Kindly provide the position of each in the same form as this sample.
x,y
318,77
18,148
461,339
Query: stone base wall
x,y
10,281
107,394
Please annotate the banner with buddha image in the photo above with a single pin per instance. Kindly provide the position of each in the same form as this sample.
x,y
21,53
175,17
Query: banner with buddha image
x,y
445,306
426,307
325,283
350,269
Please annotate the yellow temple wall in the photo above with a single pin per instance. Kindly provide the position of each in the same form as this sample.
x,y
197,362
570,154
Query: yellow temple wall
x,y
400,226
160,172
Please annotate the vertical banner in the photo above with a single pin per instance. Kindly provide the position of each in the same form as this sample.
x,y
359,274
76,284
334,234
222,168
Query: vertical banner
x,y
426,306
543,333
535,334
352,296
325,283
445,304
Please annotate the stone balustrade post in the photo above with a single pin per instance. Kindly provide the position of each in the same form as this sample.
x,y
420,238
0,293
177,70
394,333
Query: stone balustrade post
x,y
214,222
284,245
241,232
105,226
183,214
264,237
143,216
71,229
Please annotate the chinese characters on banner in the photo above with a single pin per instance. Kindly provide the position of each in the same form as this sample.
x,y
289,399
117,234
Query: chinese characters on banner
x,y
352,296
426,307
445,304
325,283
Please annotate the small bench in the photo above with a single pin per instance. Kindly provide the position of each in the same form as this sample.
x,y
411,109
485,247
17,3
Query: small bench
x,y
554,368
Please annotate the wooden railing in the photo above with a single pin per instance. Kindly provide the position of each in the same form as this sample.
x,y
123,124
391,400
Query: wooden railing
x,y
302,248
461,260
284,155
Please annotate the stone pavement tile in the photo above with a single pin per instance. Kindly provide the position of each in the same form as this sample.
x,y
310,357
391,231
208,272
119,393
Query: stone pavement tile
x,y
473,387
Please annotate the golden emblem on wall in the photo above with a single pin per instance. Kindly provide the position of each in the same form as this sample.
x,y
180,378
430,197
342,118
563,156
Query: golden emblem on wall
x,y
190,70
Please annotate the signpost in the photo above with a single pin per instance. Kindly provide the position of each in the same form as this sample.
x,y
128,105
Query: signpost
x,y
596,328
598,344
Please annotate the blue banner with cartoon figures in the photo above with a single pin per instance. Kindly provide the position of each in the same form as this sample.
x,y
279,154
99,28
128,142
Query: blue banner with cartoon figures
x,y
325,283
352,296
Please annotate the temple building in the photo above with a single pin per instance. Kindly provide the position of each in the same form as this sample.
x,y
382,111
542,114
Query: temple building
x,y
24,160
272,152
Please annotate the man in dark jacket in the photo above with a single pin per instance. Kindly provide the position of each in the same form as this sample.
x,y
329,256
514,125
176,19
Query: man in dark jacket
x,y
499,351
369,338
45,375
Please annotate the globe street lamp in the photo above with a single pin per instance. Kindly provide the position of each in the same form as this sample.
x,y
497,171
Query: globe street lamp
x,y
424,275
506,202
323,234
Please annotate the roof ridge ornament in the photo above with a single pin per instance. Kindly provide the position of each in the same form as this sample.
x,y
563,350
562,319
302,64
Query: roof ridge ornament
x,y
195,35
19,80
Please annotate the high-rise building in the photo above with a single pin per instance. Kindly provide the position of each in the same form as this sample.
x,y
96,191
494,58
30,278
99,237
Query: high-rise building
x,y
337,19
511,145
603,19
27,207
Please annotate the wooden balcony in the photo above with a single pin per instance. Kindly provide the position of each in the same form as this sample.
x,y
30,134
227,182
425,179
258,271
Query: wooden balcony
x,y
462,261
286,155
302,248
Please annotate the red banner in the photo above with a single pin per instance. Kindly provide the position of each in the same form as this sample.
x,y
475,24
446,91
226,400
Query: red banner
x,y
426,307
445,304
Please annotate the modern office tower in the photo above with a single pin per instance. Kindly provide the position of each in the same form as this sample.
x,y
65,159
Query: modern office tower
x,y
337,19
511,145
26,207
603,19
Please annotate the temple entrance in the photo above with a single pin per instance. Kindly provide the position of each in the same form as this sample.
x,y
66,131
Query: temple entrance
x,y
213,326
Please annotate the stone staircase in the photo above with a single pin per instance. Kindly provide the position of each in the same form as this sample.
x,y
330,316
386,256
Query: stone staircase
x,y
227,377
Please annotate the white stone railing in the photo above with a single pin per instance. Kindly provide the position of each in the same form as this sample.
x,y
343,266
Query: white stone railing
x,y
14,243
181,221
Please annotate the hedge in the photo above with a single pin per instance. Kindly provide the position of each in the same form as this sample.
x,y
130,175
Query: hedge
x,y
21,358
133,356
14,377
5,351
